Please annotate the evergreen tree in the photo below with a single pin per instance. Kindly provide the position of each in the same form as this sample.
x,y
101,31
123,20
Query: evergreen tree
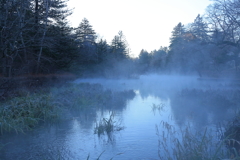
x,y
27,40
144,61
200,29
49,13
119,47
179,52
158,58
85,33
85,37
144,57
62,48
177,34
102,51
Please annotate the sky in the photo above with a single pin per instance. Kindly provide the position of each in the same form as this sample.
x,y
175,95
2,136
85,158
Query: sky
x,y
146,24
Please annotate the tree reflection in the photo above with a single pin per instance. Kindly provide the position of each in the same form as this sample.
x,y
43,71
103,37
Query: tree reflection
x,y
204,106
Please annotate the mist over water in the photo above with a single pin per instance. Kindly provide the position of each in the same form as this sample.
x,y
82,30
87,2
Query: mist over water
x,y
159,99
187,94
166,84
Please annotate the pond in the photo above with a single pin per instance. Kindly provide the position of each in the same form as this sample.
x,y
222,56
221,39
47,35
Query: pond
x,y
161,105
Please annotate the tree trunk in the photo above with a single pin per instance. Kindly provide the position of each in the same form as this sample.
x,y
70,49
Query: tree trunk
x,y
36,14
46,3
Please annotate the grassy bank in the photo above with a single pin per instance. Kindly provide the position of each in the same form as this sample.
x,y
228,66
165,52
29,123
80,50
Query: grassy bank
x,y
29,108
25,112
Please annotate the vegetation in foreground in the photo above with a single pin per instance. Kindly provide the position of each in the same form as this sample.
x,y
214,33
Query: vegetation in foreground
x,y
202,143
232,135
194,144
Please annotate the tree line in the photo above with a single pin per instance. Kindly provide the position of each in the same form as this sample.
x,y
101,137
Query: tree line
x,y
35,38
209,45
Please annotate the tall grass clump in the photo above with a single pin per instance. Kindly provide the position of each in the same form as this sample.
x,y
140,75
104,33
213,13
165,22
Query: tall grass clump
x,y
232,136
24,113
190,144
107,125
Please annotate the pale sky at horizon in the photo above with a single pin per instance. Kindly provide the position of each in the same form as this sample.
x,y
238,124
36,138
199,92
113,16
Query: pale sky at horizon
x,y
147,24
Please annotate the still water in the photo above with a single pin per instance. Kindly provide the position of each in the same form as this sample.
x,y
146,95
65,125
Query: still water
x,y
177,100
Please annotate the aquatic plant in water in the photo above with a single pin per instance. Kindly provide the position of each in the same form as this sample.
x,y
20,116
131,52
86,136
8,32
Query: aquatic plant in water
x,y
107,125
159,108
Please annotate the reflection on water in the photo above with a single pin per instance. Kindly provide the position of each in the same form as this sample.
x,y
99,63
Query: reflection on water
x,y
205,107
156,103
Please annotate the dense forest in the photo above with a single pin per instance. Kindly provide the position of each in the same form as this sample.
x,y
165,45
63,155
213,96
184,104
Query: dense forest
x,y
35,38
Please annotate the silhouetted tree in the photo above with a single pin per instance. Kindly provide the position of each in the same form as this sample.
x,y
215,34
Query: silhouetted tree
x,y
200,29
175,57
119,47
85,32
27,39
177,35
14,23
102,51
144,61
158,59
86,37
223,18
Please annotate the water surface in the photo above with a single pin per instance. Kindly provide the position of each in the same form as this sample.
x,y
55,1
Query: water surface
x,y
74,138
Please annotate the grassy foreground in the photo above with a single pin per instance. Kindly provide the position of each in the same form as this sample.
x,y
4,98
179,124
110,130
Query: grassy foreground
x,y
189,142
